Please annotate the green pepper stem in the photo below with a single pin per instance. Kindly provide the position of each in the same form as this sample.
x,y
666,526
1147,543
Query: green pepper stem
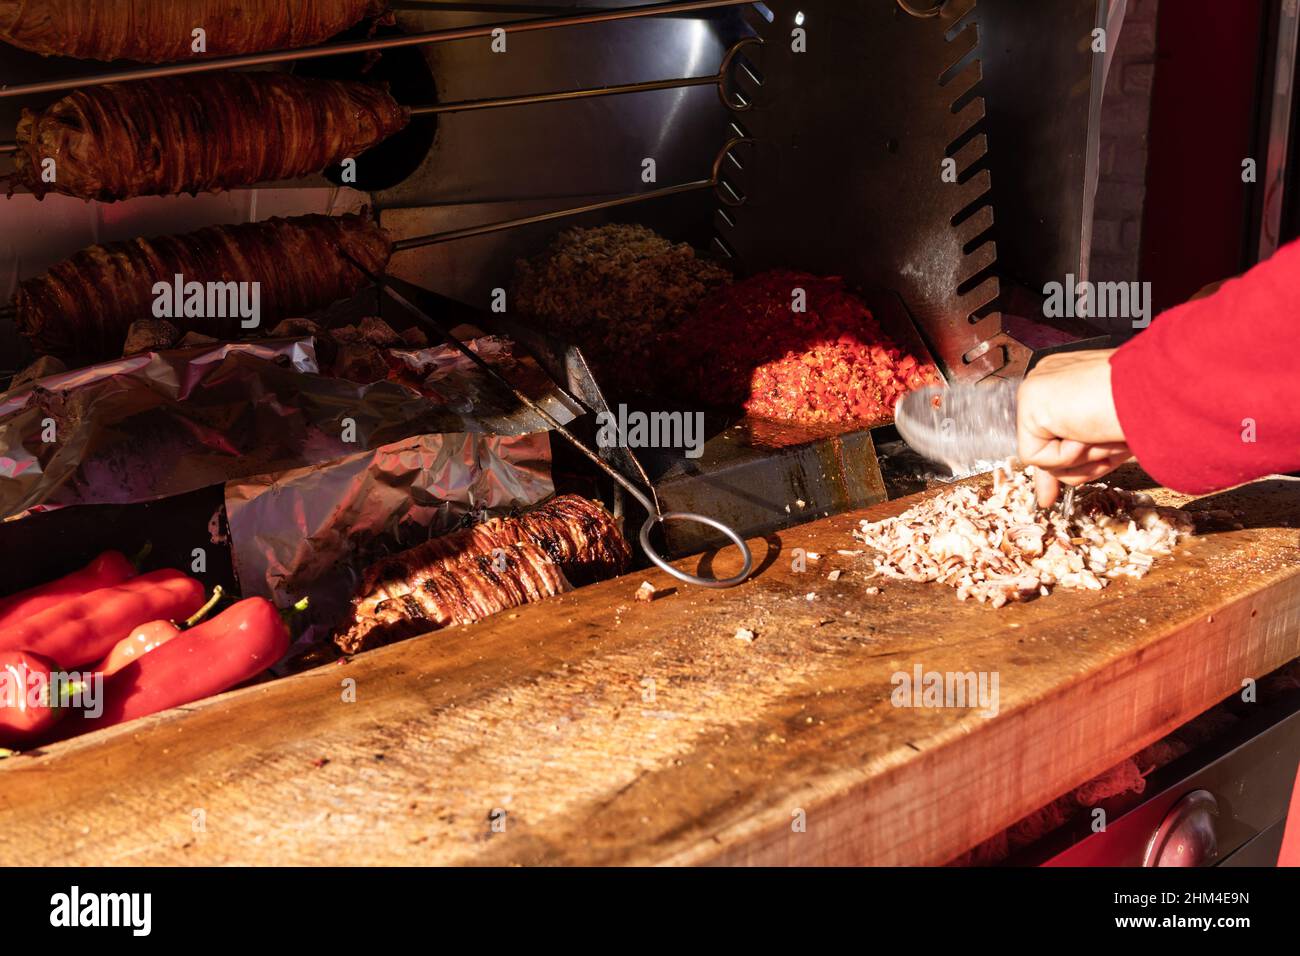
x,y
286,613
138,560
70,689
202,612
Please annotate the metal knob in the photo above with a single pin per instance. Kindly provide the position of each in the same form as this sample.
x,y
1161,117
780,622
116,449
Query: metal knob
x,y
1186,835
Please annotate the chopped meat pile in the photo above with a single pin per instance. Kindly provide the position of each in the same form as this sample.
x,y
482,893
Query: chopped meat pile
x,y
613,291
830,363
992,543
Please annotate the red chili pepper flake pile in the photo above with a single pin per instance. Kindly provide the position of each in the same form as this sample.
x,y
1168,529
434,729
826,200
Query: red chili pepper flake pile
x,y
831,363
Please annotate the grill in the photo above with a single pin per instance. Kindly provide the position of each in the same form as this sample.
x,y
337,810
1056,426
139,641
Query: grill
x,y
892,143
766,153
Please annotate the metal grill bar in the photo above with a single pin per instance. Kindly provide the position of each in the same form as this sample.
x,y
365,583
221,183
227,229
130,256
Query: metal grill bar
x,y
719,80
456,6
417,242
462,106
366,46
713,182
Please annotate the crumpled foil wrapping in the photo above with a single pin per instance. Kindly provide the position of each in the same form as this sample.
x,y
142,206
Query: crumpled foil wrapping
x,y
312,531
164,423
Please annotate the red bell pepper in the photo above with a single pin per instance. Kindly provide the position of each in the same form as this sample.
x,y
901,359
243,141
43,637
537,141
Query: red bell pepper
x,y
28,707
86,628
146,637
237,644
109,569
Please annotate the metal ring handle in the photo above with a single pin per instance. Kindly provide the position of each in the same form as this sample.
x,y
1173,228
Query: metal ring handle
x,y
932,11
724,73
716,177
678,573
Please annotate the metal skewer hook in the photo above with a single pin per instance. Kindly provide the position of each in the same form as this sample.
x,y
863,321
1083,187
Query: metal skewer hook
x,y
581,17
715,182
656,516
723,81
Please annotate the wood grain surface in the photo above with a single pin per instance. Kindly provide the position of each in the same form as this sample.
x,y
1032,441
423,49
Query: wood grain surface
x,y
595,729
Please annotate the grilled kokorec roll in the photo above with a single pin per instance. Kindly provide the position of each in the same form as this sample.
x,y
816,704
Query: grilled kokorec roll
x,y
159,31
83,306
503,563
186,134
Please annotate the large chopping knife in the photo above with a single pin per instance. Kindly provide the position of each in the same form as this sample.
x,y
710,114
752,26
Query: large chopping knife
x,y
966,427
962,426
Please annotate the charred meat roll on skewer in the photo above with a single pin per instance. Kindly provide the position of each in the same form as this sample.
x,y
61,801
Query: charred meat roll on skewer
x,y
84,305
468,575
189,134
162,31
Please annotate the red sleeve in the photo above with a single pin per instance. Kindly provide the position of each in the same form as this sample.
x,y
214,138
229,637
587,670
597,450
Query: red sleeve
x,y
1209,395
1290,855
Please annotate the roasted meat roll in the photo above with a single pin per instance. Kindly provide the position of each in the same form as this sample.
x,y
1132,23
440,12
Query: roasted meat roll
x,y
188,134
84,305
466,576
160,31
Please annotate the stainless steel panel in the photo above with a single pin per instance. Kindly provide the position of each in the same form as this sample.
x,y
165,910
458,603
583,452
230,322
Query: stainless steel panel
x,y
501,164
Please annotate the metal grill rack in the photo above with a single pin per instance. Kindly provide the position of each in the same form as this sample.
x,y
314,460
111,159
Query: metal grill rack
x,y
816,171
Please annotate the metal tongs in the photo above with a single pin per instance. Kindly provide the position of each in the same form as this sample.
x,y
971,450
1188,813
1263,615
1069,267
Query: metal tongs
x,y
1066,504
656,516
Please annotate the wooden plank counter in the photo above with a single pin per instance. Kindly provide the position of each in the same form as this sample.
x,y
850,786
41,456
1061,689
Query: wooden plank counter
x,y
612,731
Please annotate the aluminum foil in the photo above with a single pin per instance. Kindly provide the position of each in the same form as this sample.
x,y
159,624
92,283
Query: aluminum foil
x,y
165,423
312,531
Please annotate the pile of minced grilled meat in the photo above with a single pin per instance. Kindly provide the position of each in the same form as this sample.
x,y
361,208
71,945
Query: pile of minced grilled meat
x,y
993,544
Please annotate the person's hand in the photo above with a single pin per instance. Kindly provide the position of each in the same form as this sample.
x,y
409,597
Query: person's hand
x,y
1067,426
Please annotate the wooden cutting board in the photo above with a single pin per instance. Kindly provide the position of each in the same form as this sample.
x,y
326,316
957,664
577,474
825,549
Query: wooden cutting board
x,y
596,729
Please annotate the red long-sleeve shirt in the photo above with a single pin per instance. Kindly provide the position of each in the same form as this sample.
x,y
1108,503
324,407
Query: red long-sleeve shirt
x,y
1290,855
1209,395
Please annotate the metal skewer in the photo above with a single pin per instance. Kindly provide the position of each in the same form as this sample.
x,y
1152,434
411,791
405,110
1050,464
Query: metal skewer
x,y
656,516
734,102
718,80
365,46
438,6
714,182
457,6
462,106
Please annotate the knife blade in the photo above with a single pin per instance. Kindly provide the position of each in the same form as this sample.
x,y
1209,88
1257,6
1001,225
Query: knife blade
x,y
961,426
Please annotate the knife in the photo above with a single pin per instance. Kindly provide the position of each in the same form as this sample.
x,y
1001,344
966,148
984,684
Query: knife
x,y
966,427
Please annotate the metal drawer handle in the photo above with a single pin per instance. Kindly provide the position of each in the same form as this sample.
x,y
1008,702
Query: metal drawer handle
x,y
1186,835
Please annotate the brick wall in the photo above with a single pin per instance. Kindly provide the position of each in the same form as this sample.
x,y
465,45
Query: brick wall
x,y
1125,116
